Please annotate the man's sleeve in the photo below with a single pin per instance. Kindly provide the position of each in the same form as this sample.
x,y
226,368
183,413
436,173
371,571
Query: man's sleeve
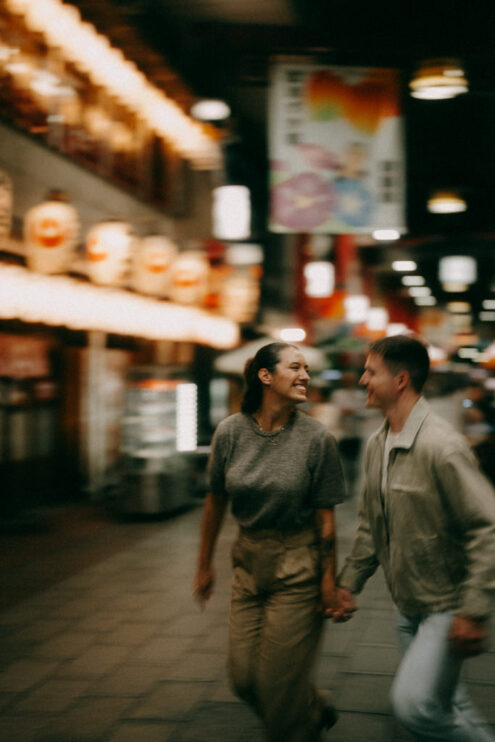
x,y
362,561
471,499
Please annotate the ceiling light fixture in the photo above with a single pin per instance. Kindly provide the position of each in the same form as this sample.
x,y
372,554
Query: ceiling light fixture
x,y
91,53
458,307
210,110
438,79
386,235
446,202
403,266
415,291
457,272
413,281
425,301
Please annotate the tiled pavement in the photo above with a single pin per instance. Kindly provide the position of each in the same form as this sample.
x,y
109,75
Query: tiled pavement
x,y
115,650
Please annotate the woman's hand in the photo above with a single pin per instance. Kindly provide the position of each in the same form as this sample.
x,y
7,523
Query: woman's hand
x,y
203,585
329,597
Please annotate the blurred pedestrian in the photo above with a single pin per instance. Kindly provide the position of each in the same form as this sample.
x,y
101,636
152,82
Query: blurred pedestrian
x,y
349,401
281,471
428,518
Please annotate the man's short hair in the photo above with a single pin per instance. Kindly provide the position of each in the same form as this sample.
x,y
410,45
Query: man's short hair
x,y
404,353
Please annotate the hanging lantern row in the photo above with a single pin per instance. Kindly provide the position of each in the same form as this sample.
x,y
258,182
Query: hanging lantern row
x,y
152,265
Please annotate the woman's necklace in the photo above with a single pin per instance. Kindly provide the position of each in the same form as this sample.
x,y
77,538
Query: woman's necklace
x,y
270,432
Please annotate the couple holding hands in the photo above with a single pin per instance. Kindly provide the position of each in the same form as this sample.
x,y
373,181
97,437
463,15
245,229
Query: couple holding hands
x,y
427,517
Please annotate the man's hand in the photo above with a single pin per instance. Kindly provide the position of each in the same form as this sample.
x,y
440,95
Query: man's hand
x,y
347,606
329,600
203,585
468,636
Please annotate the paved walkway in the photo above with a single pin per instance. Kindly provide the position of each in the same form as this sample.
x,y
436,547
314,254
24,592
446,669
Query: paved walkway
x,y
114,649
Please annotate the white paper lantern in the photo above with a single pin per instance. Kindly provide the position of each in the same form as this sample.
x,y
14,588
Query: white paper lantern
x,y
239,296
356,308
319,279
51,232
456,272
189,278
108,250
231,212
153,258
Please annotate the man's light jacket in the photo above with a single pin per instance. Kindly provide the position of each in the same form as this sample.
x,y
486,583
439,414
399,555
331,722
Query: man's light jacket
x,y
433,528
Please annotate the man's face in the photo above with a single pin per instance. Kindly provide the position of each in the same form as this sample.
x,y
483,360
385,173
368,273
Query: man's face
x,y
380,383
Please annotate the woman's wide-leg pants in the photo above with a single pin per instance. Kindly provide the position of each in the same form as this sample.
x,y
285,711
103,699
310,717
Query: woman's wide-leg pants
x,y
275,629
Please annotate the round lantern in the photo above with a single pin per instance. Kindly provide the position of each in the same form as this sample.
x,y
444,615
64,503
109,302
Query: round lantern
x,y
457,272
239,296
153,259
51,232
5,207
108,250
189,278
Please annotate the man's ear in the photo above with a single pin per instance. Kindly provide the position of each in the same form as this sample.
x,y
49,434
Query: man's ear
x,y
264,376
403,379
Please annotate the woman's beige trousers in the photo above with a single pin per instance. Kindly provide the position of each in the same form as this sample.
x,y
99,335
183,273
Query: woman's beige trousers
x,y
275,628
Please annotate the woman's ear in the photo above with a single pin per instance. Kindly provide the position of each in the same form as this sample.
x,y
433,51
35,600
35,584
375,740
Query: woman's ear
x,y
264,376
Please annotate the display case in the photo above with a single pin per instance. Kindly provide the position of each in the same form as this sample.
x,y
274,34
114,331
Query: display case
x,y
159,428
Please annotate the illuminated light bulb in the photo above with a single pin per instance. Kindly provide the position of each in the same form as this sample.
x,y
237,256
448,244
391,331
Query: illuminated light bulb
x,y
319,279
292,334
404,265
418,291
356,308
386,235
425,301
377,319
457,270
446,202
396,328
210,110
413,280
231,212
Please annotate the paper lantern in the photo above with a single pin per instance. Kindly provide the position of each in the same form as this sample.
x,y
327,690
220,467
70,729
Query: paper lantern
x,y
231,212
456,272
239,296
319,279
51,232
108,250
189,278
356,308
153,259
6,200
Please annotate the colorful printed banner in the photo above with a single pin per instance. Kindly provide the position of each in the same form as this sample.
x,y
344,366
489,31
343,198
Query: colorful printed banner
x,y
336,150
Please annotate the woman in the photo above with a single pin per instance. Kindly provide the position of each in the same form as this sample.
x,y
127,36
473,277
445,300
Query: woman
x,y
280,469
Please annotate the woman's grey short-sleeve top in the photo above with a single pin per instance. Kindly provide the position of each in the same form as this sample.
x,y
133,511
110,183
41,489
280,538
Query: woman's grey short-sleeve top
x,y
275,480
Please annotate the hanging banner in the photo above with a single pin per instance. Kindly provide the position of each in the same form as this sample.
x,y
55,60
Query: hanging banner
x,y
336,150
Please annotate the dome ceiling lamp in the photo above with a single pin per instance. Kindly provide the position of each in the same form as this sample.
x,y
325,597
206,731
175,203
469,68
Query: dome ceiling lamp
x,y
446,202
457,272
438,79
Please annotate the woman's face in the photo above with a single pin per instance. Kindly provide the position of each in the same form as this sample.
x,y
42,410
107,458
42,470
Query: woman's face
x,y
290,379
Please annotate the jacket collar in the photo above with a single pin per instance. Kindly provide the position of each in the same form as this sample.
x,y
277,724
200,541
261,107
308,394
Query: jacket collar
x,y
407,435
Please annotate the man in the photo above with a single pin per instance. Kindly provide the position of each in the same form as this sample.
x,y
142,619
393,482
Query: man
x,y
428,518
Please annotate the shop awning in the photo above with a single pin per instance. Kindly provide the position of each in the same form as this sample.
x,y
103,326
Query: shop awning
x,y
78,305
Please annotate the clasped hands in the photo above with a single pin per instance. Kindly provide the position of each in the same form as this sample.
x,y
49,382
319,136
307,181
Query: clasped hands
x,y
337,603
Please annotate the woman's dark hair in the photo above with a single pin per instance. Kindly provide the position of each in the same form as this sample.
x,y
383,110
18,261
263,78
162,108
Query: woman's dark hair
x,y
267,357
402,352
